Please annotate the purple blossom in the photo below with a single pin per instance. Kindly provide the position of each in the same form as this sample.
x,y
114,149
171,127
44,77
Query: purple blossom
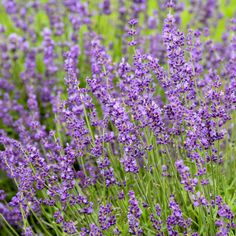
x,y
134,215
106,219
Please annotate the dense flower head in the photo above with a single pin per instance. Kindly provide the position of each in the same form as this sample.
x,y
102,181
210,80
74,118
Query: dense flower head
x,y
176,218
106,219
134,215
133,22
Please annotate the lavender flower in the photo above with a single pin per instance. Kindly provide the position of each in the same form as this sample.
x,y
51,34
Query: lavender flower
x,y
106,219
134,215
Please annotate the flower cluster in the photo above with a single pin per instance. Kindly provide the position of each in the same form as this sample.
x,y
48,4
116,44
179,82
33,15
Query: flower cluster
x,y
117,120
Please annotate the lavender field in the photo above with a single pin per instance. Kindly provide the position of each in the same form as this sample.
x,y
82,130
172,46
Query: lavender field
x,y
117,117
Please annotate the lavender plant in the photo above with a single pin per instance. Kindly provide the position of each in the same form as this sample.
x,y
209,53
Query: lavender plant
x,y
117,118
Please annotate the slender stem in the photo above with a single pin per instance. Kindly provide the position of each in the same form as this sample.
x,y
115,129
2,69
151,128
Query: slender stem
x,y
12,229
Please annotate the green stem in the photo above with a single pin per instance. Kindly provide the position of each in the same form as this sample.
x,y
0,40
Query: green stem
x,y
10,227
